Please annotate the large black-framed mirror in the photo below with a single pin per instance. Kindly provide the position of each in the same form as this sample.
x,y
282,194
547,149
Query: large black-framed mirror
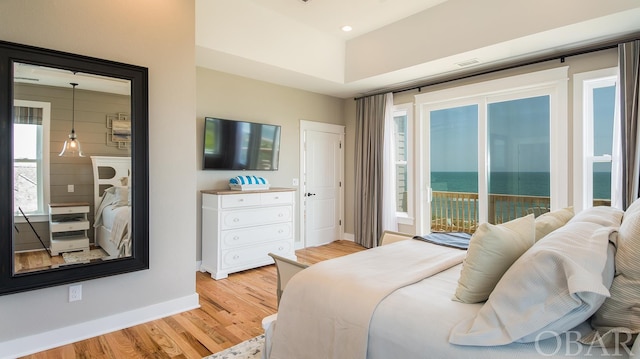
x,y
53,203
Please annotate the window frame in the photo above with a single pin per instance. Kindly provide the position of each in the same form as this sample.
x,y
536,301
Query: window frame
x,y
583,143
552,82
42,214
406,109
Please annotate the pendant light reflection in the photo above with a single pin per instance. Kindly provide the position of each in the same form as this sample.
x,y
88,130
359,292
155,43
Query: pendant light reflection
x,y
71,147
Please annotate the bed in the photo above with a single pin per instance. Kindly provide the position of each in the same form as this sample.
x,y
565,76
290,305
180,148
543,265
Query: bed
x,y
397,301
112,200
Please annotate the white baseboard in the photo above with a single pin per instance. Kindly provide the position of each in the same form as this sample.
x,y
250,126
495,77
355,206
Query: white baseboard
x,y
71,334
349,237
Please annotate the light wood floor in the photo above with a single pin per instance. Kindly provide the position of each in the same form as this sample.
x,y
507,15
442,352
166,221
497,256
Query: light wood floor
x,y
34,261
231,311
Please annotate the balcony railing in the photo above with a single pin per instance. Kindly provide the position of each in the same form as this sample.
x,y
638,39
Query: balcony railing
x,y
454,212
458,211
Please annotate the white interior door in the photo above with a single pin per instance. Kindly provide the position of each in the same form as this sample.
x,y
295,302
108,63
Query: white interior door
x,y
322,185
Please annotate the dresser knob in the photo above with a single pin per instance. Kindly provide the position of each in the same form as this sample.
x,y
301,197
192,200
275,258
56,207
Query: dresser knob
x,y
241,200
236,219
236,257
280,231
235,238
280,215
276,197
280,248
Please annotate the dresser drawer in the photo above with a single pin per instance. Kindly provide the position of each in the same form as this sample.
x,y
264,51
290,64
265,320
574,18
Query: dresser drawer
x,y
244,256
256,217
240,200
276,198
70,209
69,226
70,244
256,235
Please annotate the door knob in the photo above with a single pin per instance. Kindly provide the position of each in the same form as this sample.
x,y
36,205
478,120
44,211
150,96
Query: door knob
x,y
308,194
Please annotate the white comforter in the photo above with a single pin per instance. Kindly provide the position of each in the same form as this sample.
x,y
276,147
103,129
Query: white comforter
x,y
334,310
415,322
116,219
326,309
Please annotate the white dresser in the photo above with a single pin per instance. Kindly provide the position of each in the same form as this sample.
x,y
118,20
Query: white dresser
x,y
240,228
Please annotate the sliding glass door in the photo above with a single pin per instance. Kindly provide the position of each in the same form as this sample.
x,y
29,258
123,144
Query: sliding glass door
x,y
493,156
453,164
519,158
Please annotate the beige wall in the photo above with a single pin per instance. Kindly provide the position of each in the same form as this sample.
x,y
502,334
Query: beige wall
x,y
159,35
577,64
238,98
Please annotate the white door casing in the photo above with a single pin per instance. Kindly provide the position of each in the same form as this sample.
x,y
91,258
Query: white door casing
x,y
321,190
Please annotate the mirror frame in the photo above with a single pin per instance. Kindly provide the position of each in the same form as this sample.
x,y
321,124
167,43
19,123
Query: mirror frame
x,y
139,260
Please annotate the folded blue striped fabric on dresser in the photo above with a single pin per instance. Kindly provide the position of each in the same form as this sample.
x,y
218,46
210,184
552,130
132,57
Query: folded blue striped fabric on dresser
x,y
242,180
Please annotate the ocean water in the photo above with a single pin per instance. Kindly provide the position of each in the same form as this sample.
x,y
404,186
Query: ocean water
x,y
513,183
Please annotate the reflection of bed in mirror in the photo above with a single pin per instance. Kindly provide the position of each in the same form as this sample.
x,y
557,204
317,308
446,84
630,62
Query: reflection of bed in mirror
x,y
112,198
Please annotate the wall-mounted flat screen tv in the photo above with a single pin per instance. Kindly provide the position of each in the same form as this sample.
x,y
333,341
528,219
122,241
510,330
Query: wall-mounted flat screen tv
x,y
239,145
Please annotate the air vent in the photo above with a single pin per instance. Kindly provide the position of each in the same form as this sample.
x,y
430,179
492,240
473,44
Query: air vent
x,y
468,63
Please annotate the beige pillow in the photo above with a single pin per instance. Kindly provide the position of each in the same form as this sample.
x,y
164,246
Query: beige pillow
x,y
492,250
551,221
620,313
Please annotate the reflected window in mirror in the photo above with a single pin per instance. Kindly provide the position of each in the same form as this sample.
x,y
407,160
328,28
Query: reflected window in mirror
x,y
31,124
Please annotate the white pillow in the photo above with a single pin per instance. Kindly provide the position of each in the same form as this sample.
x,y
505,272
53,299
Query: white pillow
x,y
621,312
550,221
121,195
602,215
557,284
492,250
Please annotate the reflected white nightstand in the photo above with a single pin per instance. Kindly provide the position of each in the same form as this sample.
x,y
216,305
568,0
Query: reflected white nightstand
x,y
68,227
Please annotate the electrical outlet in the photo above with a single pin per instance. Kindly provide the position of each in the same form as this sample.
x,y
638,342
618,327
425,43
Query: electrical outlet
x,y
75,293
70,188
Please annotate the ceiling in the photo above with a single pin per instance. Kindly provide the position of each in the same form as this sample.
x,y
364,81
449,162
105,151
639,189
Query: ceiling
x,y
329,16
50,76
300,44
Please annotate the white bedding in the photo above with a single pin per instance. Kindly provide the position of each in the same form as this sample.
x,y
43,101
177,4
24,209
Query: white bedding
x,y
415,322
115,219
111,213
318,316
412,321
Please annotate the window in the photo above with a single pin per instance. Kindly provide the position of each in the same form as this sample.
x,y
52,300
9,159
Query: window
x,y
519,157
31,159
453,167
486,151
402,119
594,113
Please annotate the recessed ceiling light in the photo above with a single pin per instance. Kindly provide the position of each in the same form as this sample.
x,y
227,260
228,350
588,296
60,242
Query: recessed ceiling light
x,y
346,28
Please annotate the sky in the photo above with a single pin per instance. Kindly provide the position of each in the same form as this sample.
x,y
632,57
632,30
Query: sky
x,y
518,134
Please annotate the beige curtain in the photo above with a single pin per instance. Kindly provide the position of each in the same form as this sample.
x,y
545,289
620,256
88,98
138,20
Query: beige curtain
x,y
629,66
370,115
